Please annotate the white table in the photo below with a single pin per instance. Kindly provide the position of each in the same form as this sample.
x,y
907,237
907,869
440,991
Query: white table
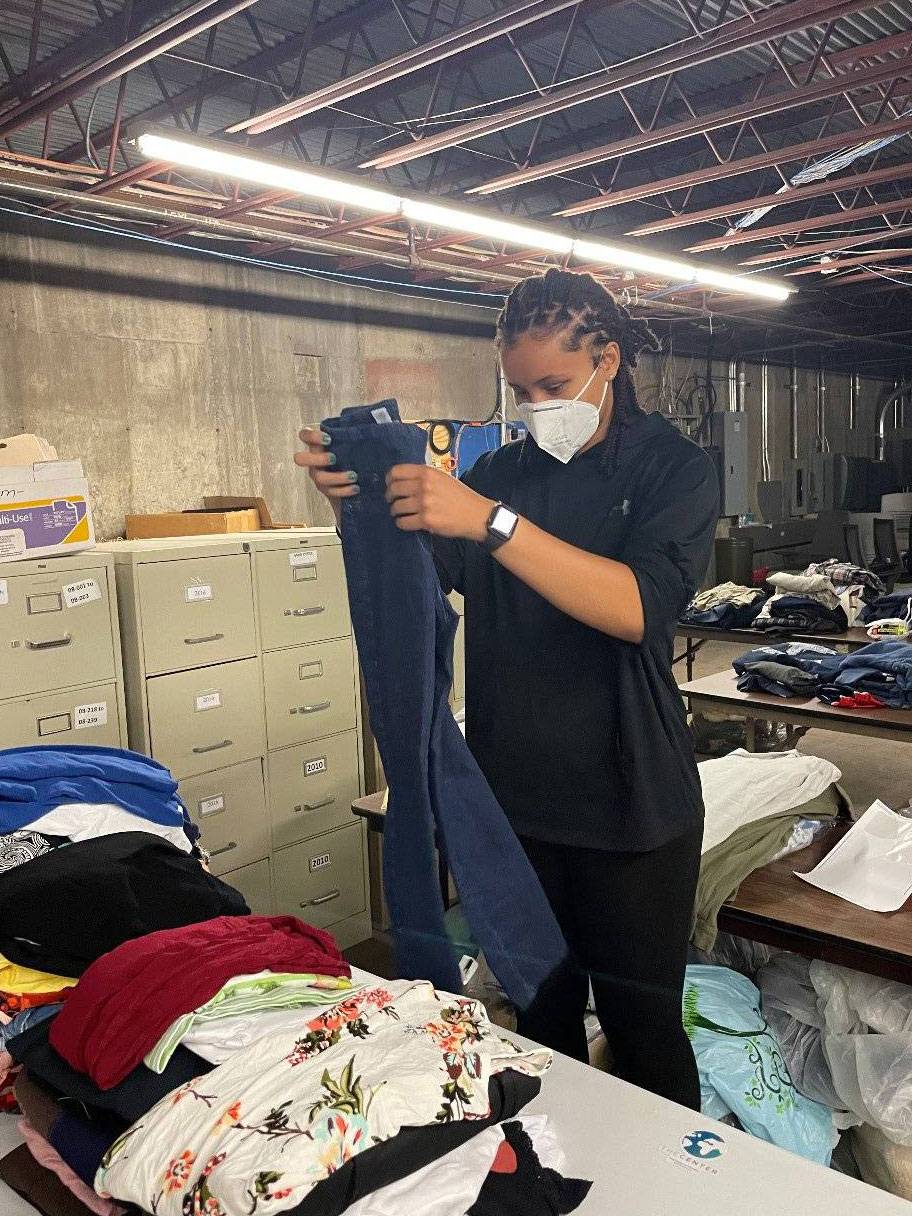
x,y
629,1143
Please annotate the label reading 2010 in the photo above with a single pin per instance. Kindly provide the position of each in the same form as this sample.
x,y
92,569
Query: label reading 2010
x,y
320,862
196,594
312,767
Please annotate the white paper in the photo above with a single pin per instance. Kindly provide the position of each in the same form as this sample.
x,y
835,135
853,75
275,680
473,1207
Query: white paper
x,y
196,594
302,557
381,414
4,593
872,865
12,543
208,700
86,716
77,594
211,806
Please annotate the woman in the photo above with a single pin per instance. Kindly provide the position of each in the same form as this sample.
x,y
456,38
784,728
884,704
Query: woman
x,y
572,595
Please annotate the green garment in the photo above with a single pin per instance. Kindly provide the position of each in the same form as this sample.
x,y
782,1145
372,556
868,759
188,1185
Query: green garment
x,y
725,867
251,994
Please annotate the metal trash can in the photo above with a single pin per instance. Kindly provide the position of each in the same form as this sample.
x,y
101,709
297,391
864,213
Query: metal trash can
x,y
735,560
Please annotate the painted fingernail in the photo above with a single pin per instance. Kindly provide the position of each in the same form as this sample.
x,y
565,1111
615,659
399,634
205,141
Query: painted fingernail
x,y
327,439
352,476
331,457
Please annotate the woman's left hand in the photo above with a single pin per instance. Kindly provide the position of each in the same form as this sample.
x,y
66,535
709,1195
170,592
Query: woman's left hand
x,y
423,498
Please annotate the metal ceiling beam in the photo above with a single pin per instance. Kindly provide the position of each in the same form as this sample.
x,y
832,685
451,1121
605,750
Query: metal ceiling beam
x,y
792,253
798,194
850,216
738,35
736,168
868,275
861,259
170,32
324,32
243,206
81,49
413,60
758,108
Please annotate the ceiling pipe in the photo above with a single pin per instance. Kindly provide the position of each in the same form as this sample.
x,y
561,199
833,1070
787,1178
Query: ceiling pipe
x,y
892,399
421,56
739,35
823,444
793,406
765,465
701,124
152,42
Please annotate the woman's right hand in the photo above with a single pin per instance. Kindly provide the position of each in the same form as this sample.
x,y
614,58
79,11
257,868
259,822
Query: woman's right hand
x,y
319,461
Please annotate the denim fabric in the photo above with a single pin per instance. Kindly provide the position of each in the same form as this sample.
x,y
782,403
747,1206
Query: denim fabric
x,y
820,661
884,669
895,604
723,616
405,628
28,1017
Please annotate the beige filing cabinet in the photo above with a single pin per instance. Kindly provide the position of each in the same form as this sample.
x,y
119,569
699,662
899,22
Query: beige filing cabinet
x,y
61,680
241,676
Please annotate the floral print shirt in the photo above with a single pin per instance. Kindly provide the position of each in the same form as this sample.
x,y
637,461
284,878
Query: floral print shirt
x,y
259,1132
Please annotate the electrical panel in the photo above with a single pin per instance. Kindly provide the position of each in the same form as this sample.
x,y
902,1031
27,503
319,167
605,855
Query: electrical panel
x,y
728,434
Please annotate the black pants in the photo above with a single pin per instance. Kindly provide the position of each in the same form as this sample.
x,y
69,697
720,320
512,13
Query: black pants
x,y
627,919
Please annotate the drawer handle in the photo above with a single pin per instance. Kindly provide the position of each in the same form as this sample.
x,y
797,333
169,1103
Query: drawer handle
x,y
321,899
314,611
50,644
316,708
226,848
211,637
212,747
315,806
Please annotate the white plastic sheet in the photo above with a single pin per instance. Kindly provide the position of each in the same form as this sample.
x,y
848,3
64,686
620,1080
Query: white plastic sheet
x,y
872,865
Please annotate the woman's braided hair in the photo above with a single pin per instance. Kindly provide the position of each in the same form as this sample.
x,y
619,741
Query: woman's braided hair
x,y
579,307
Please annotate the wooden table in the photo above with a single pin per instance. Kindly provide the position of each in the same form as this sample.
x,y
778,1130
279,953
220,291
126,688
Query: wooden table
x,y
721,691
696,636
775,907
371,809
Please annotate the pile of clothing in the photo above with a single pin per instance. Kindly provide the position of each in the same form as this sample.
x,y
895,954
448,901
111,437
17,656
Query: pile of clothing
x,y
173,1053
886,607
758,807
876,676
828,597
727,606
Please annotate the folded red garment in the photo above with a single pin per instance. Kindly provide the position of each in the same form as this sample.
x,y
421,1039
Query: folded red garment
x,y
859,700
126,1000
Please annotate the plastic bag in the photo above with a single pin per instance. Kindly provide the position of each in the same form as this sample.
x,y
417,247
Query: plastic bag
x,y
742,1070
739,953
789,1003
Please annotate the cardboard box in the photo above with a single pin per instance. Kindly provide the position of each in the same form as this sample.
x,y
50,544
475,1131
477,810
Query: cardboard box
x,y
45,510
191,523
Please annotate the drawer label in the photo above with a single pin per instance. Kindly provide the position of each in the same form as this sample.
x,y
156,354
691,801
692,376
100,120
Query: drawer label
x,y
312,767
198,594
208,700
302,557
4,593
212,806
77,594
320,862
86,716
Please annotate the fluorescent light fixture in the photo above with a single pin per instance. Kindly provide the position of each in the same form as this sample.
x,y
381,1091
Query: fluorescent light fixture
x,y
224,161
486,225
227,163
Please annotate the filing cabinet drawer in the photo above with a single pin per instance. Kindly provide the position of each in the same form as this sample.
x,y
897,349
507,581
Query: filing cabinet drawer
x,y
77,716
55,630
310,692
229,807
301,595
196,611
312,787
322,881
207,719
255,883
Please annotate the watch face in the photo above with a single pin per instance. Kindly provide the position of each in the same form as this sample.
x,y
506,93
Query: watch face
x,y
503,521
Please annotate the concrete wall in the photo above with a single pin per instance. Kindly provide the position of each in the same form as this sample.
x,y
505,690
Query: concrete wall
x,y
175,375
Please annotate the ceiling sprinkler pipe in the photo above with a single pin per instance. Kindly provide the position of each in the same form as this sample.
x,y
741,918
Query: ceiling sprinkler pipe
x,y
793,406
889,404
823,444
766,467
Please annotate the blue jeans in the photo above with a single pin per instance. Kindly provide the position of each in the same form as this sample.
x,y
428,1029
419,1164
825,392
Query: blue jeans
x,y
405,628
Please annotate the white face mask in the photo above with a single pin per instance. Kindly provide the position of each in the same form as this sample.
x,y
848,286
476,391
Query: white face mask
x,y
561,427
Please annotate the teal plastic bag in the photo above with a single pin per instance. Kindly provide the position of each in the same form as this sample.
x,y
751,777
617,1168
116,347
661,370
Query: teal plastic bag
x,y
742,1071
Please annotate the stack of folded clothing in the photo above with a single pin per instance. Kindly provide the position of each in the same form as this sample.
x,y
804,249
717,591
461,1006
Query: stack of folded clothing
x,y
727,606
808,603
855,586
754,804
787,669
877,675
